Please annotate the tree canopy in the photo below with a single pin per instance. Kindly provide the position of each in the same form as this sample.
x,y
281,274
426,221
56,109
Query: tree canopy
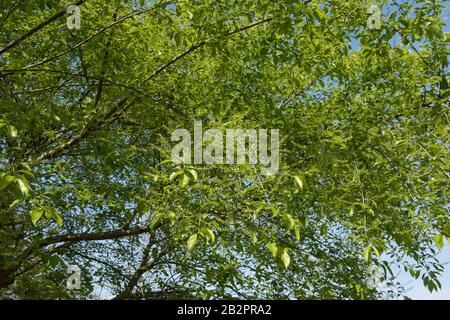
x,y
86,117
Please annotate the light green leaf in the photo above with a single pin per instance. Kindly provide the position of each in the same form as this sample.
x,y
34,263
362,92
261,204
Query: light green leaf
x,y
172,216
184,181
299,181
36,214
168,161
377,253
367,253
297,232
56,216
446,230
14,203
5,180
351,212
273,248
289,221
210,234
48,214
254,238
260,207
191,242
174,175
439,241
24,188
285,258
12,131
155,220
193,173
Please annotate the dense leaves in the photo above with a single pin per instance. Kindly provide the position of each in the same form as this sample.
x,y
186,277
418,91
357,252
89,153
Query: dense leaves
x,y
86,118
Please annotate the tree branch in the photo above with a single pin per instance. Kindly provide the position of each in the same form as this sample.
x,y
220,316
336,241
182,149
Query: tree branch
x,y
32,31
79,44
201,44
85,132
125,294
95,236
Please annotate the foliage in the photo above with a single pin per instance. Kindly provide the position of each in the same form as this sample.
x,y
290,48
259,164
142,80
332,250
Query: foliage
x,y
85,123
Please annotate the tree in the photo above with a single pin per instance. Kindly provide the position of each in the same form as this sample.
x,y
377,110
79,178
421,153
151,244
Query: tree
x,y
86,118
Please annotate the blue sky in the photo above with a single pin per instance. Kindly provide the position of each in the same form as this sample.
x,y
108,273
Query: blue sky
x,y
416,289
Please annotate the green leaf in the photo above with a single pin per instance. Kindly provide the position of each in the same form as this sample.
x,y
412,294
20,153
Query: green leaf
x,y
5,180
319,13
36,214
275,211
210,234
24,188
446,230
379,245
351,212
297,232
58,219
14,203
56,216
260,207
412,272
155,220
168,161
48,214
174,175
184,181
12,132
285,258
439,241
254,238
377,253
192,242
324,229
273,248
172,216
299,181
367,252
193,173
54,261
290,222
